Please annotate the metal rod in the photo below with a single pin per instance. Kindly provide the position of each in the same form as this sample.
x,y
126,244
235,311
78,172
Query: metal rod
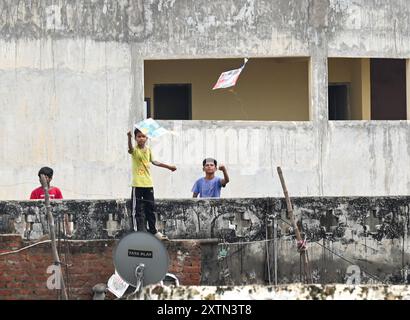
x,y
275,247
267,234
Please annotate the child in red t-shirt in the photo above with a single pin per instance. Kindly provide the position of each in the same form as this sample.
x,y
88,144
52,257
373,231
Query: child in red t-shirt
x,y
54,192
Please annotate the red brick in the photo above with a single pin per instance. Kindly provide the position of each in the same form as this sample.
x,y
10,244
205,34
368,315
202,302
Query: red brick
x,y
195,269
26,277
15,284
20,273
24,292
91,263
39,263
6,292
195,277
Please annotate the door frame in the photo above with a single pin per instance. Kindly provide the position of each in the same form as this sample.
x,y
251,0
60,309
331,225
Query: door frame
x,y
348,106
189,85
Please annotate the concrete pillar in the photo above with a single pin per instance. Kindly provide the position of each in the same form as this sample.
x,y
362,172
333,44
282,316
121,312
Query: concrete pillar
x,y
136,110
318,87
318,81
318,107
318,63
408,87
366,92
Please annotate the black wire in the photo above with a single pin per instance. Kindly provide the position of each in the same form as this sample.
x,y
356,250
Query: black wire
x,y
341,257
315,241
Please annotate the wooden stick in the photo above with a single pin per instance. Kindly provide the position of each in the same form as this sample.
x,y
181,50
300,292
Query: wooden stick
x,y
289,205
50,219
295,226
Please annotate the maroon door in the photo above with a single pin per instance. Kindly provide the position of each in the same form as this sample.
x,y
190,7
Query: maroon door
x,y
388,89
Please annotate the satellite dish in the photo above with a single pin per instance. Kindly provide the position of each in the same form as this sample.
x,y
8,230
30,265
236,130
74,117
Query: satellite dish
x,y
140,259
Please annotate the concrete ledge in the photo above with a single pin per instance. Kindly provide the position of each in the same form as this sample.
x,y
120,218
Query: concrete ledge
x,y
282,292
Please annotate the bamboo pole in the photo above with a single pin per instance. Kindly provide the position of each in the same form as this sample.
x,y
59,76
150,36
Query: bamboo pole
x,y
289,205
51,225
295,227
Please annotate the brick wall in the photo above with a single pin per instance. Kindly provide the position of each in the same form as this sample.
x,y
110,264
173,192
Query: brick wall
x,y
23,275
185,261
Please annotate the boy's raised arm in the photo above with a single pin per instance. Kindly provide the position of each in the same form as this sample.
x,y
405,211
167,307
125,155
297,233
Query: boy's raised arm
x,y
225,180
130,147
163,165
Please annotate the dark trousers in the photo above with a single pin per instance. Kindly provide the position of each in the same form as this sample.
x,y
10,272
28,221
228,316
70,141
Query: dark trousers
x,y
142,201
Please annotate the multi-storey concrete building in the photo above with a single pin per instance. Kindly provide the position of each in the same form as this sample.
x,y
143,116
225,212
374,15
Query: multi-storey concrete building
x,y
325,94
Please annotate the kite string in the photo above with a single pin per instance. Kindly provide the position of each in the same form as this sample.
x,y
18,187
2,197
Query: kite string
x,y
240,103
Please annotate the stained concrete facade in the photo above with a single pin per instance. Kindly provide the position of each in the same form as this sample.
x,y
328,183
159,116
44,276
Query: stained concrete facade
x,y
72,85
350,240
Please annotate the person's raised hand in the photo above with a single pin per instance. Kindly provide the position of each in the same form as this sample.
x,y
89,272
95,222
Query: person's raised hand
x,y
129,134
222,167
172,168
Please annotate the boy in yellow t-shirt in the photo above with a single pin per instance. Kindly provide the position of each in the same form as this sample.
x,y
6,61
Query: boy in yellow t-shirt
x,y
142,186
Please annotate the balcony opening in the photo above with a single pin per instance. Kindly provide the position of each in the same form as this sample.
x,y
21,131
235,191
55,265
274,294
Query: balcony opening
x,y
268,89
367,89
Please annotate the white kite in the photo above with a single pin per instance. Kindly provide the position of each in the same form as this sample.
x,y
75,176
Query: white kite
x,y
228,79
150,128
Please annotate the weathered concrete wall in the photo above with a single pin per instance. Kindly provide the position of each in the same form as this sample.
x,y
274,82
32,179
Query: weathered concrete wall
x,y
77,67
350,239
235,27
164,28
360,158
367,158
369,28
66,105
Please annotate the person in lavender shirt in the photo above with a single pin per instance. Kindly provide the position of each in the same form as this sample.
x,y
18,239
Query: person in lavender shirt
x,y
210,185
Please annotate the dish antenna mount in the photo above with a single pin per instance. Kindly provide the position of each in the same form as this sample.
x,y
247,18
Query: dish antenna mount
x,y
140,259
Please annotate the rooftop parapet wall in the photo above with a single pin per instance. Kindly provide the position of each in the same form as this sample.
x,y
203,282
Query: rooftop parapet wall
x,y
340,218
366,236
353,158
349,158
